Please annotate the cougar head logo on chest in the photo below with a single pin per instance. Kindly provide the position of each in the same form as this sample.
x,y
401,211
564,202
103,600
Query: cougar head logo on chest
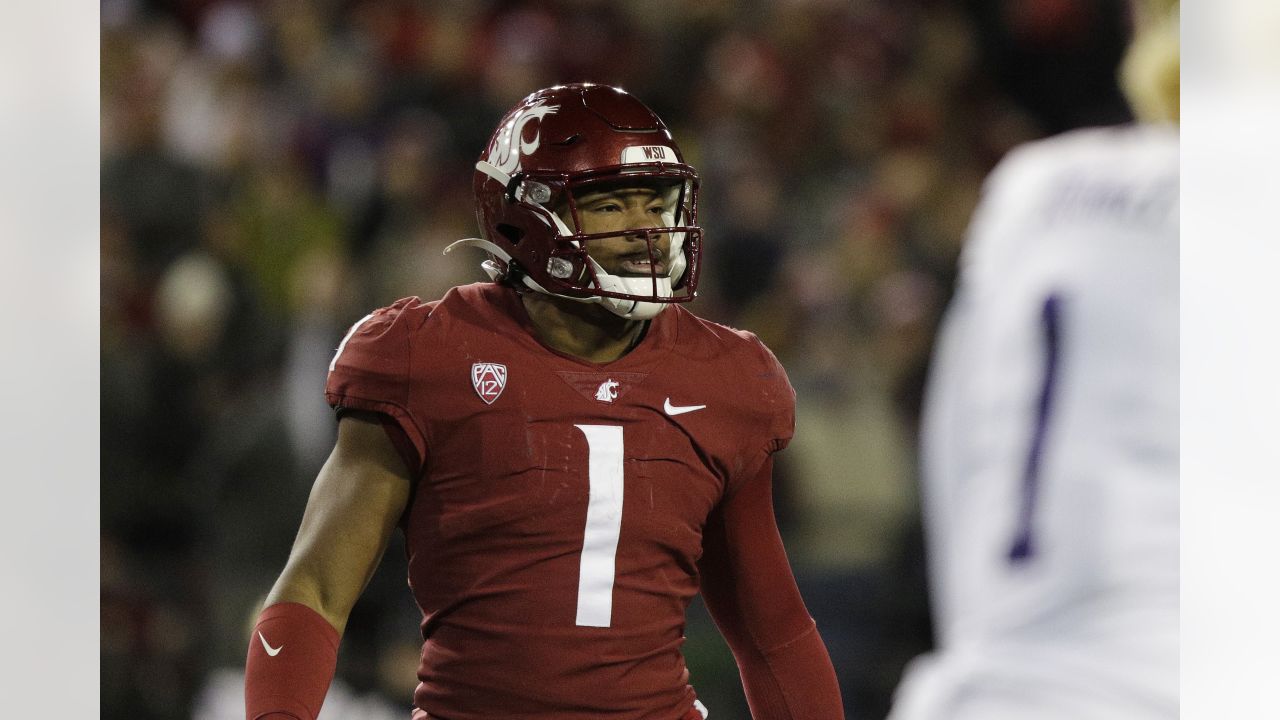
x,y
608,391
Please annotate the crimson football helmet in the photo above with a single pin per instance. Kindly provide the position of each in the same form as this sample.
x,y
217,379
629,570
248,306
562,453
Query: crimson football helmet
x,y
557,143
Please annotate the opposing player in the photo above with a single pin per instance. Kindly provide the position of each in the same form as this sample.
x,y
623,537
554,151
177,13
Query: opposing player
x,y
1050,441
570,454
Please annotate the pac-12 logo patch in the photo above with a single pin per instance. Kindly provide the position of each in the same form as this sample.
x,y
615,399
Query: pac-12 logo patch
x,y
489,379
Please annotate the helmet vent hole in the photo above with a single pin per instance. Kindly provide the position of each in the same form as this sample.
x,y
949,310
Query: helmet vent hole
x,y
510,232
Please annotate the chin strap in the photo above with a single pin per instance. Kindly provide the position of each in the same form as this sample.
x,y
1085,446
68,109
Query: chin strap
x,y
630,309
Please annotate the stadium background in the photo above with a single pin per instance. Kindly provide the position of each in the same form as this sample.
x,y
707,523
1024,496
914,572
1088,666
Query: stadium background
x,y
273,170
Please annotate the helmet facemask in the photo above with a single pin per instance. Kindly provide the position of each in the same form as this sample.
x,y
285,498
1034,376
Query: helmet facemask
x,y
662,250
569,271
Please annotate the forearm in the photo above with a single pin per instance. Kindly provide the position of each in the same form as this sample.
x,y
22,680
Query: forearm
x,y
293,652
794,681
752,596
353,507
355,502
292,657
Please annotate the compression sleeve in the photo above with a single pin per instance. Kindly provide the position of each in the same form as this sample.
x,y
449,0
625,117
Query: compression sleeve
x,y
752,596
292,657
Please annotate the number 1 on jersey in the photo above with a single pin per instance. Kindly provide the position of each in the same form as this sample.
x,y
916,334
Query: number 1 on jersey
x,y
1023,547
604,524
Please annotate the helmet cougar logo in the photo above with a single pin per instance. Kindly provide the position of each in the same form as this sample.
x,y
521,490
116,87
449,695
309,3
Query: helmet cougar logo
x,y
608,391
503,154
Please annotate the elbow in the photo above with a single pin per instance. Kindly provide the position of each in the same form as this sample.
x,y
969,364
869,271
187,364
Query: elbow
x,y
296,585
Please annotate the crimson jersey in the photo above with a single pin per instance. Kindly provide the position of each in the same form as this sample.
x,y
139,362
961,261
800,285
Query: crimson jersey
x,y
556,527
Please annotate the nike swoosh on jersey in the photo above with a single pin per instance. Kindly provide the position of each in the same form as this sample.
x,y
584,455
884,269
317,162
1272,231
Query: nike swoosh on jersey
x,y
267,646
680,409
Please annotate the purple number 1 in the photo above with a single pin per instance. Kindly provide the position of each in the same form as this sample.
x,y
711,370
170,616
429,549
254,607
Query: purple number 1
x,y
1023,546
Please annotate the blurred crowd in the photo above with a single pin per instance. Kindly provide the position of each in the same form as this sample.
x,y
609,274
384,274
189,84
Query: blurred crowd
x,y
274,169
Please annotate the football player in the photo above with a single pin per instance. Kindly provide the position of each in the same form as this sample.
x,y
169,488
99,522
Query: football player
x,y
571,455
1050,439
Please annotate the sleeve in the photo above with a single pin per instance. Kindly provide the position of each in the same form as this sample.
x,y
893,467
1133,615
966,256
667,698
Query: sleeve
x,y
372,370
768,414
292,657
779,399
752,596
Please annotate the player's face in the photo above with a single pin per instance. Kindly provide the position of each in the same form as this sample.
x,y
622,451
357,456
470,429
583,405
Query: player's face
x,y
620,210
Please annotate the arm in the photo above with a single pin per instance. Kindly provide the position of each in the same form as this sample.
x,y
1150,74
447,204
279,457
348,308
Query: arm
x,y
357,498
752,596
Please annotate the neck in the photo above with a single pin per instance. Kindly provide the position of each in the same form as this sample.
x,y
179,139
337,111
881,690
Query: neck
x,y
584,330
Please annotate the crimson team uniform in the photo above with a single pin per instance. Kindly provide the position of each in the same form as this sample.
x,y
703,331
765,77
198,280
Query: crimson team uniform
x,y
563,512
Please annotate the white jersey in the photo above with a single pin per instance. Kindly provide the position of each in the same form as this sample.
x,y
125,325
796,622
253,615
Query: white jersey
x,y
1050,443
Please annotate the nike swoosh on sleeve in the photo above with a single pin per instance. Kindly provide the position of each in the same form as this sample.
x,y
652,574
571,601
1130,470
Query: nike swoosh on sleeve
x,y
267,646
